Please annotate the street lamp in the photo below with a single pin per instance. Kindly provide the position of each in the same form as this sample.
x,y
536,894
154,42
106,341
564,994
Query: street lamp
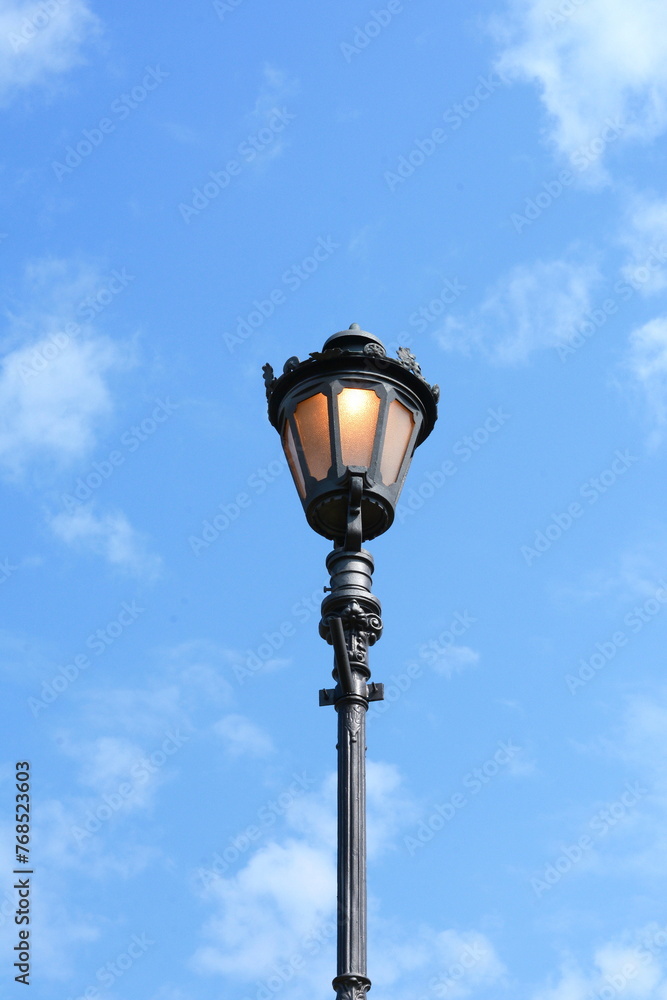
x,y
350,418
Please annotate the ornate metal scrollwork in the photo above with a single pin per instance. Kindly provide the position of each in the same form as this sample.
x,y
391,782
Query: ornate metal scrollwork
x,y
353,721
331,352
375,350
362,629
367,623
358,623
269,378
408,360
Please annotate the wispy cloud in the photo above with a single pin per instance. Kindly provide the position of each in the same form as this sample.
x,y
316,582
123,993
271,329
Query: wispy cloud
x,y
64,930
455,659
54,415
283,894
278,912
637,850
55,395
109,535
600,60
242,737
647,363
644,235
40,42
633,573
535,306
122,746
633,964
276,87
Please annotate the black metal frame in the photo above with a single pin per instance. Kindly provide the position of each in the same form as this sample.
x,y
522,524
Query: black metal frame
x,y
351,614
352,360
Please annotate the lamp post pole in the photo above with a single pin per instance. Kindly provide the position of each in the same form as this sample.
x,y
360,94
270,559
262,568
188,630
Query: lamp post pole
x,y
350,419
351,623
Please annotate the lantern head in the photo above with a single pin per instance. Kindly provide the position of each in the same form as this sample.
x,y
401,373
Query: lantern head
x,y
349,414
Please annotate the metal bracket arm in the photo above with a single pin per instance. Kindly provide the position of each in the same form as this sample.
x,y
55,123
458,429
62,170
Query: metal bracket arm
x,y
353,534
345,678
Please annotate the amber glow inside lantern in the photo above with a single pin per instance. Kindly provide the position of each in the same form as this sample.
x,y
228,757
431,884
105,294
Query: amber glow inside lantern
x,y
312,420
357,419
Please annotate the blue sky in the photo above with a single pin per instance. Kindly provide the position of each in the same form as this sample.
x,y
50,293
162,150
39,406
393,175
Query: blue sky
x,y
190,191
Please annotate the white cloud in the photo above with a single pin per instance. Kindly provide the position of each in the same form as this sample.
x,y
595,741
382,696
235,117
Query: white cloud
x,y
388,810
389,807
54,381
617,960
141,712
198,666
120,747
61,851
114,778
360,242
635,573
313,816
54,414
482,965
572,986
248,665
607,60
645,236
61,928
106,761
647,362
109,535
269,910
39,42
276,89
243,738
454,659
632,966
429,963
117,775
125,745
534,307
643,743
275,920
186,682
638,849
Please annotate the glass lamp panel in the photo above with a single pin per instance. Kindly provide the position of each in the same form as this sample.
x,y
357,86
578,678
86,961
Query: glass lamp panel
x,y
358,411
400,424
293,460
312,421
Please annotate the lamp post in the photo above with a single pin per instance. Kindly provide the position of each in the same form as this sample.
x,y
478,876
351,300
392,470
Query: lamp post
x,y
350,418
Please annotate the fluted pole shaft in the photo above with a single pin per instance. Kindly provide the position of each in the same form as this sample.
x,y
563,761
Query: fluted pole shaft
x,y
351,837
352,603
